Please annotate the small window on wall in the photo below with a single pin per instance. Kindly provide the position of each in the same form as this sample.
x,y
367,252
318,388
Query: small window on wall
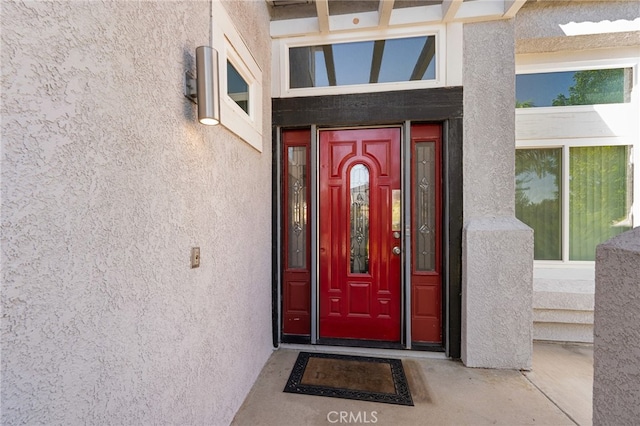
x,y
237,88
363,62
585,87
240,80
574,198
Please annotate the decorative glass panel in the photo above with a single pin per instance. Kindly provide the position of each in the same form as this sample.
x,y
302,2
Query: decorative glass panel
x,y
396,210
359,219
237,88
538,198
589,87
297,214
425,208
364,62
599,197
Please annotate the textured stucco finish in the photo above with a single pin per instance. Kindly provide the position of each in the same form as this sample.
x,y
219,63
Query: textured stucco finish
x,y
489,119
497,248
107,182
616,394
497,323
538,25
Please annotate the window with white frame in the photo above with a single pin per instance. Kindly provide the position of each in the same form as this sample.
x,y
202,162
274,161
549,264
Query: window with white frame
x,y
240,81
574,196
576,139
365,62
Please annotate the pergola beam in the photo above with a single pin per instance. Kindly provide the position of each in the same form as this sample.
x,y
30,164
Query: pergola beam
x,y
322,9
384,12
449,9
327,50
376,61
425,58
388,17
511,7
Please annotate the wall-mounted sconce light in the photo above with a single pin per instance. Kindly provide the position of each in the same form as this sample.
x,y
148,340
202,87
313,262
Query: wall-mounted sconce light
x,y
203,90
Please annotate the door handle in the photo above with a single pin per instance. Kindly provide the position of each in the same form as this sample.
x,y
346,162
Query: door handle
x,y
396,250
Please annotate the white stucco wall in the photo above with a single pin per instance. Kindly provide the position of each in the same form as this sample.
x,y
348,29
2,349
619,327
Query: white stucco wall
x,y
497,263
107,182
616,355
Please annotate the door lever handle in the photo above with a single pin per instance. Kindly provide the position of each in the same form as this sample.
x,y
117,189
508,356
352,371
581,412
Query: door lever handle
x,y
396,250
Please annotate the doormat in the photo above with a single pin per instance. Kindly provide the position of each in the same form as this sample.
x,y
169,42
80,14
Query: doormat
x,y
350,377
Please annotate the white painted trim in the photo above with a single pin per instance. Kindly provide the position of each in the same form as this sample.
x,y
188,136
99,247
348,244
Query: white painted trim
x,y
455,53
230,46
322,10
532,63
384,12
449,9
276,71
577,122
354,21
573,143
511,7
415,16
283,46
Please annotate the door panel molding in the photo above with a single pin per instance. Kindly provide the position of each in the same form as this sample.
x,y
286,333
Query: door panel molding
x,y
362,304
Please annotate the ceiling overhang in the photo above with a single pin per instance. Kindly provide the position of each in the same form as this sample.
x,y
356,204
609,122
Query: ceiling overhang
x,y
388,14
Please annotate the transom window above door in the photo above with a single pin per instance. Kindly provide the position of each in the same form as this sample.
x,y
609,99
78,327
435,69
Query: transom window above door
x,y
401,59
363,62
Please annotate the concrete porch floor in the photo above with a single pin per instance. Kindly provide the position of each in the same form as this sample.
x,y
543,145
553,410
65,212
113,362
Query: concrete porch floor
x,y
558,391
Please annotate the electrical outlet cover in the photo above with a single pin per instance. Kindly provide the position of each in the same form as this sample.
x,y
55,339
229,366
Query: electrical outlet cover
x,y
195,257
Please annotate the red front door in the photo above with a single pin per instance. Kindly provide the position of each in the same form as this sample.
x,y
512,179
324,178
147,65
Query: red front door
x,y
359,217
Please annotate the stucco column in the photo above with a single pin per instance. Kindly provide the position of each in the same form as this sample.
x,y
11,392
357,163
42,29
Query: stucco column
x,y
616,354
497,271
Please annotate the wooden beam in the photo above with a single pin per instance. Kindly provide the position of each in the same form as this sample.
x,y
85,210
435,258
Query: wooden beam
x,y
322,9
425,58
327,50
376,61
384,12
376,108
449,9
511,7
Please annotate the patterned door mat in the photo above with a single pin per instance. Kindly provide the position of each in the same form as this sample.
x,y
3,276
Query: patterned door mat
x,y
350,377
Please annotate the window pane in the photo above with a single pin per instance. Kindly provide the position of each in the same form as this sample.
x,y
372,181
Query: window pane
x,y
425,212
237,88
297,200
365,62
359,219
599,199
590,87
538,198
